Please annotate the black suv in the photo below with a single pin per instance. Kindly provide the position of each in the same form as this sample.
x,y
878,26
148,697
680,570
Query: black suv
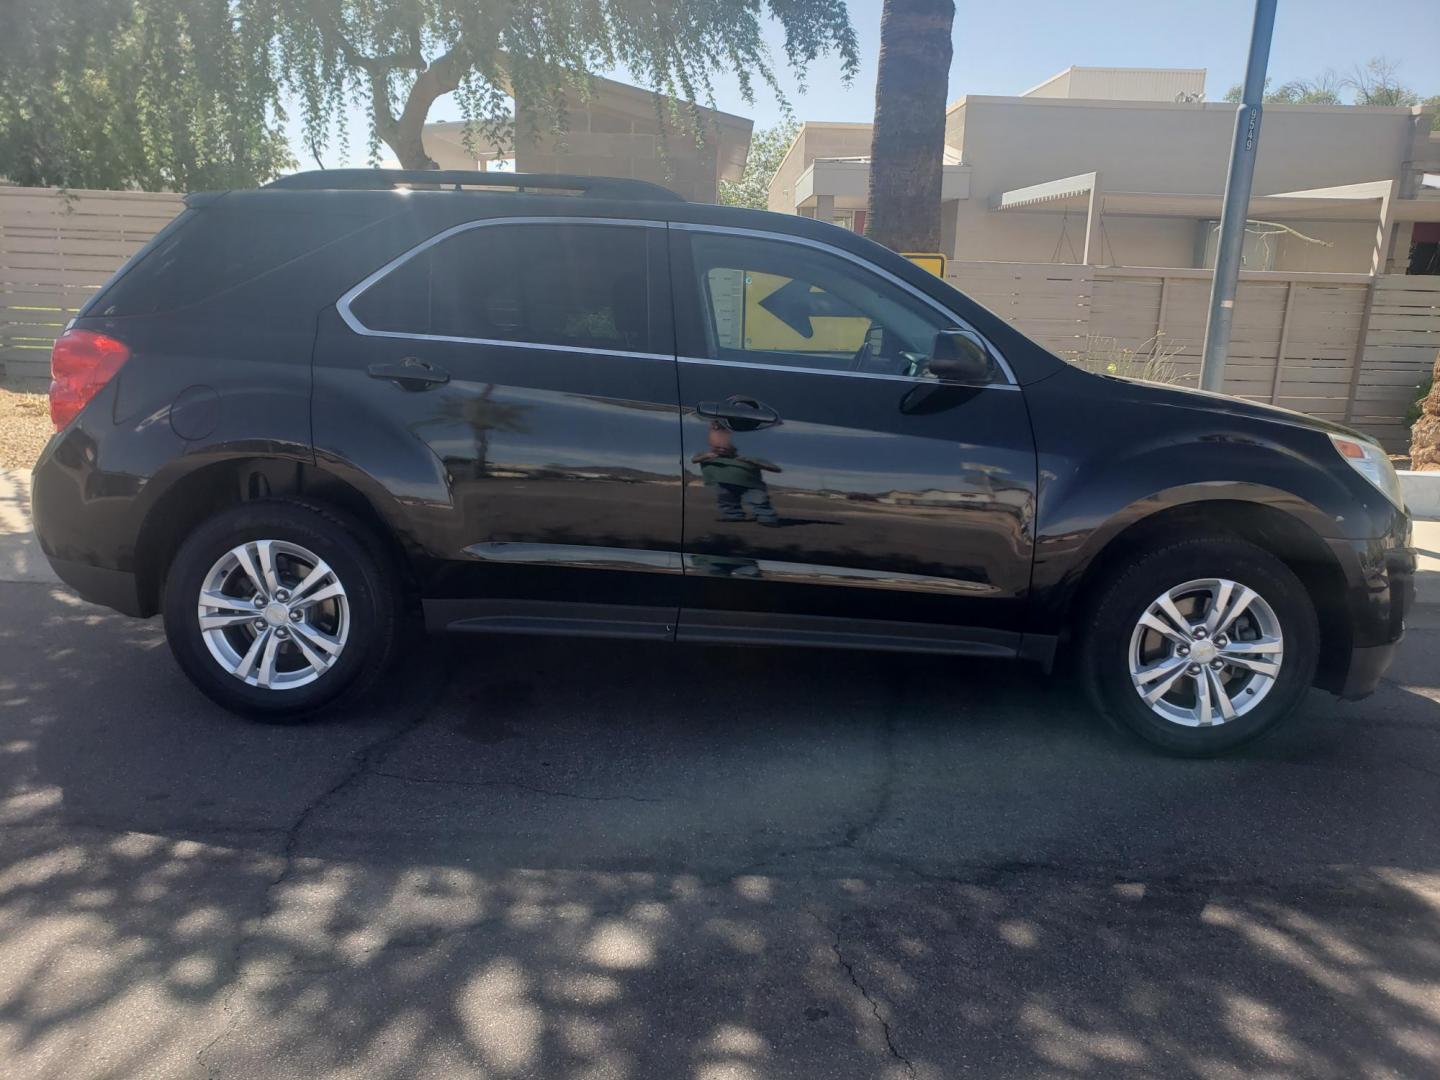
x,y
585,406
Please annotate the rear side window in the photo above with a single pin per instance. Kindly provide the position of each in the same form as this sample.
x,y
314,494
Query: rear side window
x,y
214,250
580,286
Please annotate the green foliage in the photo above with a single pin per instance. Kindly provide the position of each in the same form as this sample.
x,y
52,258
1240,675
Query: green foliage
x,y
1376,82
1413,413
403,54
1153,360
1322,91
155,94
1433,102
768,147
187,93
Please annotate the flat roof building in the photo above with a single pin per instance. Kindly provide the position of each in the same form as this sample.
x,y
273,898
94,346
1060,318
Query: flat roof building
x,y
1132,174
616,130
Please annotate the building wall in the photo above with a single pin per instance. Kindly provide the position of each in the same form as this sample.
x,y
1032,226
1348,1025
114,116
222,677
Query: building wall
x,y
1154,146
982,234
1352,244
1057,86
816,140
447,154
612,130
1162,147
1122,84
604,142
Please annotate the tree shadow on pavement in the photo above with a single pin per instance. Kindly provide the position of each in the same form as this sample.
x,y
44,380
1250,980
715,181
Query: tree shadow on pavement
x,y
574,859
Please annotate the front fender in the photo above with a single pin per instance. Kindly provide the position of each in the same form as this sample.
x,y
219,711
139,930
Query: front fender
x,y
1113,454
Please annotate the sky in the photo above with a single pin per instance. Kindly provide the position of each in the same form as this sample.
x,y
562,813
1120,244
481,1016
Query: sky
x,y
1006,48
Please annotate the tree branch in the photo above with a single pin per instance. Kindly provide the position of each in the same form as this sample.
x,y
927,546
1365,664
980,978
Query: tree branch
x,y
440,78
377,69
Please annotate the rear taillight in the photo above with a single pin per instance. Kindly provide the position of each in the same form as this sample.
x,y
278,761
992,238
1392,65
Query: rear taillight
x,y
80,364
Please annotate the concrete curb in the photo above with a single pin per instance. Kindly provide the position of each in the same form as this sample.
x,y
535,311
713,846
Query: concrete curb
x,y
1422,494
20,556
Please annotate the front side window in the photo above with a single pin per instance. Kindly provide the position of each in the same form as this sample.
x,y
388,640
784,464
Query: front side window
x,y
579,286
791,305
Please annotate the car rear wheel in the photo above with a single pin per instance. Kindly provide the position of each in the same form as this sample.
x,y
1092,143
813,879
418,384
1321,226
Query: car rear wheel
x,y
277,609
1201,646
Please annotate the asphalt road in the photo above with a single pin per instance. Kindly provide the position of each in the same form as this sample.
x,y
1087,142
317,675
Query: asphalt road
x,y
545,858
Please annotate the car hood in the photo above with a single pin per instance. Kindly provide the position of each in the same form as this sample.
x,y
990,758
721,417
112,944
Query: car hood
x,y
1223,404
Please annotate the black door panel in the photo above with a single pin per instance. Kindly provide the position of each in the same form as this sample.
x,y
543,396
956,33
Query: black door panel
x,y
855,504
558,458
826,475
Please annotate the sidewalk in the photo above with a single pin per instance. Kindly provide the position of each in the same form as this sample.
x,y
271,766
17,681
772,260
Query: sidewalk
x,y
20,555
1427,546
21,559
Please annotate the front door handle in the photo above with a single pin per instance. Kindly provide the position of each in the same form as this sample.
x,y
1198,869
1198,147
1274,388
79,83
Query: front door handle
x,y
753,414
411,373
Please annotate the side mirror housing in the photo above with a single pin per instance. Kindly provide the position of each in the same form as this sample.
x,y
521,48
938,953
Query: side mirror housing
x,y
960,356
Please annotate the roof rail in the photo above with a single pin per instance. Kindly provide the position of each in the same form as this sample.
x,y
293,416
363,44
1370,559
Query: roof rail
x,y
600,187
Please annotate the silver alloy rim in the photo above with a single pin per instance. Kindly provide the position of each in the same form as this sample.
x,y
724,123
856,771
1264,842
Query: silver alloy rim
x,y
1206,652
273,614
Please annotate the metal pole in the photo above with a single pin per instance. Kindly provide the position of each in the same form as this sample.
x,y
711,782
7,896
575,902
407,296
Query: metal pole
x,y
1237,200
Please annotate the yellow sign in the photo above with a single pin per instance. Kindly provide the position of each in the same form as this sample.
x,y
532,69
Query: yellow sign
x,y
934,262
816,332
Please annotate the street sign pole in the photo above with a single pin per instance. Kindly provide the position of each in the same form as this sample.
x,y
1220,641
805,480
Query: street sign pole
x,y
1237,201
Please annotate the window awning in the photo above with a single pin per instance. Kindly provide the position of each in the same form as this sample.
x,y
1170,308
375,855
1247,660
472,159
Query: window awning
x,y
1349,202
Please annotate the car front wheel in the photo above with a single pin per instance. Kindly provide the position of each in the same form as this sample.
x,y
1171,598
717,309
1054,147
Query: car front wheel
x,y
1201,646
277,609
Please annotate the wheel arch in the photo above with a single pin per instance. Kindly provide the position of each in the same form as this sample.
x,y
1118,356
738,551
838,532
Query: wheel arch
x,y
203,491
1285,535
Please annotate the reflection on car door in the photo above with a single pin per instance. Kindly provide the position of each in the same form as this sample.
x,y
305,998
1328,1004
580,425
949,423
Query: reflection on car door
x,y
834,491
535,359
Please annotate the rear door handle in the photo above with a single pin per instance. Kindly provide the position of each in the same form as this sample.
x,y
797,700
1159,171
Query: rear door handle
x,y
411,373
746,410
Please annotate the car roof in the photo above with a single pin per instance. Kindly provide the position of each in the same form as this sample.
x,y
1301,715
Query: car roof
x,y
444,208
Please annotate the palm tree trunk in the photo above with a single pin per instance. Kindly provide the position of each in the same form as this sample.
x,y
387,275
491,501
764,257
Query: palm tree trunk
x,y
907,146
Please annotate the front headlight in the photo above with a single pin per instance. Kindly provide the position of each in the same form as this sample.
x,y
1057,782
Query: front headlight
x,y
1373,464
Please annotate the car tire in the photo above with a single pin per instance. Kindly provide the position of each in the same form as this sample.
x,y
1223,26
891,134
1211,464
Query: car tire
x,y
322,629
1257,663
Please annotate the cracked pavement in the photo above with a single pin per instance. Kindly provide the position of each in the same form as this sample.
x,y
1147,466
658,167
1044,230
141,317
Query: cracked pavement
x,y
547,858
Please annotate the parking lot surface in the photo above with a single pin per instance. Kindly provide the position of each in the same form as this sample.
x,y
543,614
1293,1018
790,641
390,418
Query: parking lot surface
x,y
552,858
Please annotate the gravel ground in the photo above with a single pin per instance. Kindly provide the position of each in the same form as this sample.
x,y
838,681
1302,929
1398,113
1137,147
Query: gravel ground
x,y
24,427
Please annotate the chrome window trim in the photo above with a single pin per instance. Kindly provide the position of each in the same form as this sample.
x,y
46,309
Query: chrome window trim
x,y
805,241
342,306
914,380
503,343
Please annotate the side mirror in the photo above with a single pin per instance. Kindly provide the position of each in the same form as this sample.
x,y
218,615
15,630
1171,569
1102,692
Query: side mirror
x,y
959,356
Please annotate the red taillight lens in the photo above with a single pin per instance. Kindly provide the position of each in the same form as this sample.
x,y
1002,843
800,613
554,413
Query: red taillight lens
x,y
80,364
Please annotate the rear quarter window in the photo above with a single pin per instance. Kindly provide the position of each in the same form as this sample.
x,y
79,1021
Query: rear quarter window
x,y
216,250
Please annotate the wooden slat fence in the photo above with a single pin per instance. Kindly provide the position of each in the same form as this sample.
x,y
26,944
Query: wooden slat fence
x,y
1345,347
56,249
1402,336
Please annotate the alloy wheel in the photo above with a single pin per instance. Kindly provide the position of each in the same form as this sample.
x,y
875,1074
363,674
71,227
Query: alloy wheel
x,y
1206,652
273,614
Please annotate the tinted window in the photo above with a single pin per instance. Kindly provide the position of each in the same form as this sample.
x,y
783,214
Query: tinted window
x,y
797,306
584,286
216,249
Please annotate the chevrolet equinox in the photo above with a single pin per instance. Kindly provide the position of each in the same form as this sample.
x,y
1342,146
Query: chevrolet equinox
x,y
586,406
